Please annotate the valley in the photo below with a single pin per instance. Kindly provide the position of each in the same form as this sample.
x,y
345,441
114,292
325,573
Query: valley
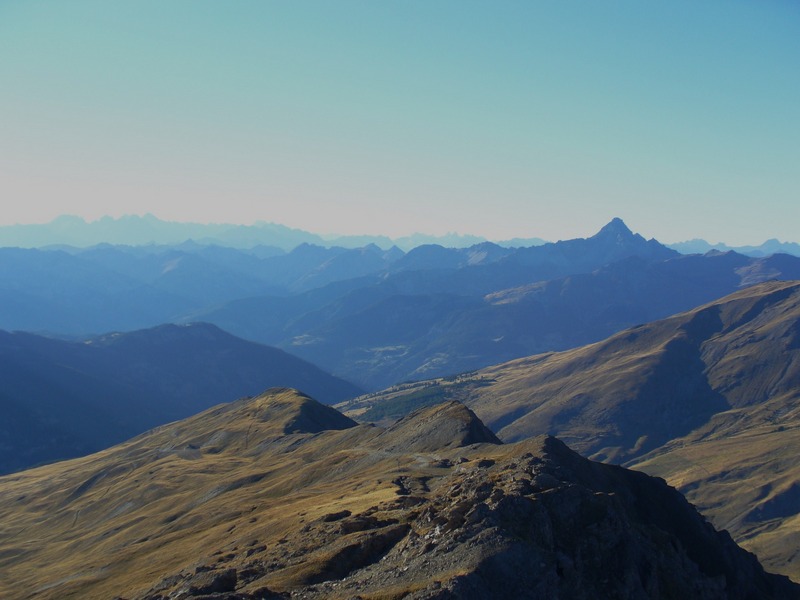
x,y
378,317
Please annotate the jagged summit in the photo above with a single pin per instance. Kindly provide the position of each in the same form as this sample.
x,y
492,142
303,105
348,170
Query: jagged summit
x,y
616,233
615,227
612,243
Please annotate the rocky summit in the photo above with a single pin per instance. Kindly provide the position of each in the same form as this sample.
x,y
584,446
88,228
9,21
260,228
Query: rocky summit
x,y
280,497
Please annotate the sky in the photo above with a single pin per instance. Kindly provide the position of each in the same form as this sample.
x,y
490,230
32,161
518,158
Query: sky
x,y
495,118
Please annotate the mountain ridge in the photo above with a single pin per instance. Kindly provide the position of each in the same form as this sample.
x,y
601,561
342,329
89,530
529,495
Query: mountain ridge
x,y
226,503
63,399
460,331
707,399
767,248
147,229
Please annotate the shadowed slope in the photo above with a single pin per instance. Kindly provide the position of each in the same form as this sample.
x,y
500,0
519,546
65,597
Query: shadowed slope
x,y
417,325
64,399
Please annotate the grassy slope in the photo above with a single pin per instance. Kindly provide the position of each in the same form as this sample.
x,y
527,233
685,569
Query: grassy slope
x,y
299,498
708,399
247,474
746,483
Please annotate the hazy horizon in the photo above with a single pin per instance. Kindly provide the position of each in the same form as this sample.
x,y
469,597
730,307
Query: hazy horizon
x,y
504,120
331,236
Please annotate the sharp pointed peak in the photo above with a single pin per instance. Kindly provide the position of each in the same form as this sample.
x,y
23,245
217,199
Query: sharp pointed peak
x,y
615,226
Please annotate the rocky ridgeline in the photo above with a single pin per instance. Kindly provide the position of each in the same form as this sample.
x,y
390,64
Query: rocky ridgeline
x,y
529,520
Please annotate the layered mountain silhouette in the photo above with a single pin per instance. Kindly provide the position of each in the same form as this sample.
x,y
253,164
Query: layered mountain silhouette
x,y
408,336
771,246
61,399
416,323
373,316
77,291
282,497
148,230
105,288
709,399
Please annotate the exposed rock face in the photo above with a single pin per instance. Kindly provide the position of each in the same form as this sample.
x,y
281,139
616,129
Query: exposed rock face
x,y
533,521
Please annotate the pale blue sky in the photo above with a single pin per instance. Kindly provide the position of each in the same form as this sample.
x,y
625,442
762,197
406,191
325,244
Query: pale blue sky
x,y
501,119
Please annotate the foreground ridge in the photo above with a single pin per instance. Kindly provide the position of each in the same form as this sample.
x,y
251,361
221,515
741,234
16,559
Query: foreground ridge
x,y
239,503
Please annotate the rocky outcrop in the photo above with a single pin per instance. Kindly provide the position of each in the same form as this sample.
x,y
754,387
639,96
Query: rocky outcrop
x,y
229,506
533,521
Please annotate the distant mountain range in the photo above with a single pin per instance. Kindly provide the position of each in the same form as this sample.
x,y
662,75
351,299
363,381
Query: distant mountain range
x,y
708,399
282,497
445,315
374,316
148,230
768,248
136,230
62,399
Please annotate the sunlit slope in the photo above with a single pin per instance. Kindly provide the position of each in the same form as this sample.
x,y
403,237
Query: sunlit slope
x,y
721,379
128,516
280,496
177,494
745,482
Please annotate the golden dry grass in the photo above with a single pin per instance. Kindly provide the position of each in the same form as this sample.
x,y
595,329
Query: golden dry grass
x,y
745,483
188,494
708,399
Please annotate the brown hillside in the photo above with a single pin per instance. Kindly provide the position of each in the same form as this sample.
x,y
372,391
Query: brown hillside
x,y
708,399
279,497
